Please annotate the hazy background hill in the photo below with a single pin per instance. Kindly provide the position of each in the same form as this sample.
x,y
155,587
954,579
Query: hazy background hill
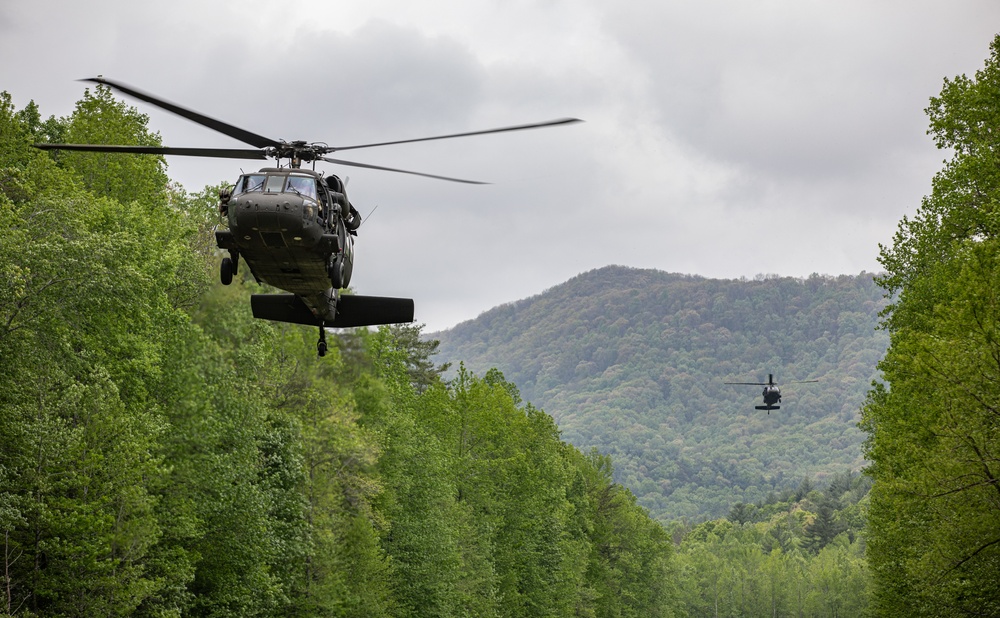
x,y
633,362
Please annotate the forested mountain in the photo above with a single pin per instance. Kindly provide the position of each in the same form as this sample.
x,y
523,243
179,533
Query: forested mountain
x,y
633,363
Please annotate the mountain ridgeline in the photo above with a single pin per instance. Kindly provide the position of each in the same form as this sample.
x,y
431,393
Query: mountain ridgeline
x,y
634,362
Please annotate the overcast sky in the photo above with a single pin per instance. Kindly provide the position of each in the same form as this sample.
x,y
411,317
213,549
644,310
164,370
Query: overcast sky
x,y
723,138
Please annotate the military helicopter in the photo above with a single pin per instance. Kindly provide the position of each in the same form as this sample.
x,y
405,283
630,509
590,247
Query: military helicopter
x,y
293,227
771,394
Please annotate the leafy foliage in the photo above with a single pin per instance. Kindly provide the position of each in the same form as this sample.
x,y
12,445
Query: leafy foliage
x,y
100,119
935,507
779,557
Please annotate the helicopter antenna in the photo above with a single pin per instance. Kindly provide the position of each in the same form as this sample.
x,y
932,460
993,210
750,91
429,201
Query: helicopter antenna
x,y
369,214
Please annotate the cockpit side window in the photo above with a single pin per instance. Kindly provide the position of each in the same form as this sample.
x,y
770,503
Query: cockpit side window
x,y
302,185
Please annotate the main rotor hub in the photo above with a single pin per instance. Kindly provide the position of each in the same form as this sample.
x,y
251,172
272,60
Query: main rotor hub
x,y
296,151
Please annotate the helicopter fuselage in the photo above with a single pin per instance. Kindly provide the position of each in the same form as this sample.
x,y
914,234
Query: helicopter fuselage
x,y
772,395
293,231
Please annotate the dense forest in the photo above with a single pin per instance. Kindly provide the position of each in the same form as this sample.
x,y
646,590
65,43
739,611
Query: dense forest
x,y
800,553
635,362
162,453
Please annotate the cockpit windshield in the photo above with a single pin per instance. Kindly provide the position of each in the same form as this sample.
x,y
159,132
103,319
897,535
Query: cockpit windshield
x,y
276,183
302,185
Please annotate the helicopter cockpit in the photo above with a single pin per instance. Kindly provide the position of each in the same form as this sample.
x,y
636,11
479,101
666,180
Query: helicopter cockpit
x,y
304,186
276,182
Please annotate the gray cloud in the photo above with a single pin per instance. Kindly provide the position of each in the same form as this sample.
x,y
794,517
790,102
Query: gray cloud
x,y
807,91
722,138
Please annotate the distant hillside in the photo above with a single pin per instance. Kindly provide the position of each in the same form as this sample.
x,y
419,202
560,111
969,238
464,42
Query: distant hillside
x,y
633,362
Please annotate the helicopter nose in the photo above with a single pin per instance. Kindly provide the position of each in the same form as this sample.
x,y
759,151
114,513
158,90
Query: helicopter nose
x,y
276,221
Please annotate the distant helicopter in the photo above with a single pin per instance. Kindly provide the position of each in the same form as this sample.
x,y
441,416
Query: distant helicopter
x,y
771,394
293,227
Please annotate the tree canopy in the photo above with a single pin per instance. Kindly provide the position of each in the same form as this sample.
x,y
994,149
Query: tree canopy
x,y
935,508
162,453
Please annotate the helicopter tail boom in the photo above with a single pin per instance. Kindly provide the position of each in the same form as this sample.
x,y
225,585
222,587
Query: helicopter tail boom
x,y
351,310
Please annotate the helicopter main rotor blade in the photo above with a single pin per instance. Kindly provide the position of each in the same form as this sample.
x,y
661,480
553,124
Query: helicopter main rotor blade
x,y
748,383
222,153
217,125
520,127
392,169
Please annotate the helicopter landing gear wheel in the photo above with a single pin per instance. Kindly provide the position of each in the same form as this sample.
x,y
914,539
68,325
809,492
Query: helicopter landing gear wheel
x,y
336,271
321,344
226,271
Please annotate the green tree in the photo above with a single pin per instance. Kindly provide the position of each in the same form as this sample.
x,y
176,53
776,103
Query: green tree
x,y
418,498
341,570
934,500
823,529
933,544
15,133
99,118
631,567
79,325
420,367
